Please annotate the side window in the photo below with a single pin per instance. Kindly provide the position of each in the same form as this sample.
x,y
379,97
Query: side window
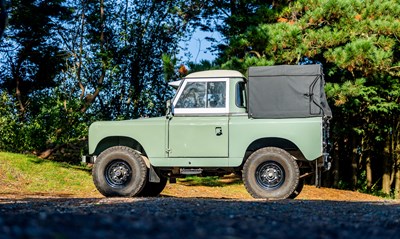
x,y
216,94
241,94
208,96
193,96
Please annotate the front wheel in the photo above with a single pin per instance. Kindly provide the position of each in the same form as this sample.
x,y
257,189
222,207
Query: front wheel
x,y
119,171
271,173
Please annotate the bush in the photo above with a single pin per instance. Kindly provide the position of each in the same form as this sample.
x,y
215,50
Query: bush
x,y
48,124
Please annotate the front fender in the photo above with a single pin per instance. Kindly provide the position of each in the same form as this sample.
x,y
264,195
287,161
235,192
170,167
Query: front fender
x,y
148,133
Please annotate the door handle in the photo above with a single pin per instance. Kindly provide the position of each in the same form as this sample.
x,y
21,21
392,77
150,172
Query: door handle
x,y
218,131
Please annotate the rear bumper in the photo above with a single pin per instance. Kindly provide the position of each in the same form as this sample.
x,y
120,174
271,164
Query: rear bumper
x,y
89,159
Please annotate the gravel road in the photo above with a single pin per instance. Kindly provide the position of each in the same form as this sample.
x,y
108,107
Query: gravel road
x,y
167,217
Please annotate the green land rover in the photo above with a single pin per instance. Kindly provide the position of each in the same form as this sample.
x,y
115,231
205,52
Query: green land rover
x,y
272,129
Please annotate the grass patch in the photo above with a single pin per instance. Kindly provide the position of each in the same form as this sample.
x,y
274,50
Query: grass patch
x,y
30,174
210,181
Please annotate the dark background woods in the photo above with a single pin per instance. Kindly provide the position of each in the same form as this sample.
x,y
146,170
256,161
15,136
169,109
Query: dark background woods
x,y
65,64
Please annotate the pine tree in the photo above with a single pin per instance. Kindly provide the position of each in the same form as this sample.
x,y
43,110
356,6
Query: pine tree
x,y
3,17
357,44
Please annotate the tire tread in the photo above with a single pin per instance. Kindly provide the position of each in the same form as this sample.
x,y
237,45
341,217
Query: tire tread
x,y
264,151
98,180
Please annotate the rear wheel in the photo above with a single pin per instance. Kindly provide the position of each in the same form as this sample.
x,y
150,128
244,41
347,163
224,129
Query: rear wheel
x,y
119,171
271,173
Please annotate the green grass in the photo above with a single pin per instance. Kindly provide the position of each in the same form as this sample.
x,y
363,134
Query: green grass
x,y
30,174
210,181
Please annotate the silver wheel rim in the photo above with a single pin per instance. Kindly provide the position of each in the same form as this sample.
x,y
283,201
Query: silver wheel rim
x,y
118,173
270,175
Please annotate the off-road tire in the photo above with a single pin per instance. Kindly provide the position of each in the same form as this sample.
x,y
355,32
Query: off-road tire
x,y
119,171
271,173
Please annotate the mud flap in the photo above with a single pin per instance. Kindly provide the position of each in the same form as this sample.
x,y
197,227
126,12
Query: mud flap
x,y
153,176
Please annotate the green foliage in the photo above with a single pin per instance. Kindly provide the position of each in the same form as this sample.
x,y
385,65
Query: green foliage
x,y
210,181
169,68
37,56
357,44
202,181
55,122
127,55
233,18
64,64
78,61
202,66
7,122
343,184
376,191
360,55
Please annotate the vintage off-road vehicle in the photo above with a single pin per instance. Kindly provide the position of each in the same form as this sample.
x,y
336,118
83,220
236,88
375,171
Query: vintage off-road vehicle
x,y
272,129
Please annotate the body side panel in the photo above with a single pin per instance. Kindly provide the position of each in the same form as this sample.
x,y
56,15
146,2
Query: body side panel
x,y
190,162
149,132
305,133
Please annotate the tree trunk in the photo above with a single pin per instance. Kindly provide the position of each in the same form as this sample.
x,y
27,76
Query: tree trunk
x,y
354,164
367,155
397,179
19,95
386,175
369,172
336,165
81,36
396,155
390,162
91,98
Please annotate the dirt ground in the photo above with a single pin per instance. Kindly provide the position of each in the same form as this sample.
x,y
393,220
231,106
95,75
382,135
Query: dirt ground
x,y
200,212
237,192
189,210
229,190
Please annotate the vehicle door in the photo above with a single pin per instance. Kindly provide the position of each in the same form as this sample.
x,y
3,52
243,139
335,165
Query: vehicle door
x,y
199,127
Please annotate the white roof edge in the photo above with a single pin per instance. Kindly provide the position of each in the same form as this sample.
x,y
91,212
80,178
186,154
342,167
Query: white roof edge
x,y
215,74
175,84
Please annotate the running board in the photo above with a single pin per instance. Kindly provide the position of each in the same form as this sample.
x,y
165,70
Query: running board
x,y
190,171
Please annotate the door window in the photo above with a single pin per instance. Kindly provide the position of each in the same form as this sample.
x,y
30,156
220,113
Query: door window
x,y
193,96
216,92
207,96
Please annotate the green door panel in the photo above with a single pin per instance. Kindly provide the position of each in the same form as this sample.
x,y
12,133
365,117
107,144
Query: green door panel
x,y
198,137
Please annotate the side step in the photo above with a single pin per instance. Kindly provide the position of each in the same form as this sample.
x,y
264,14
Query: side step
x,y
190,171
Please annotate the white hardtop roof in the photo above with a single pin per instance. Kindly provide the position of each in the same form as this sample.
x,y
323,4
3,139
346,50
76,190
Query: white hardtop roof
x,y
215,74
209,74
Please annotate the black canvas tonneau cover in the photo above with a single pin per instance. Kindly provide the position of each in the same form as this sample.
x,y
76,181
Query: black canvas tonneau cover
x,y
287,91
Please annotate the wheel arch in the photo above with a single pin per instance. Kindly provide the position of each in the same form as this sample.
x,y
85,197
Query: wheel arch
x,y
111,141
277,142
